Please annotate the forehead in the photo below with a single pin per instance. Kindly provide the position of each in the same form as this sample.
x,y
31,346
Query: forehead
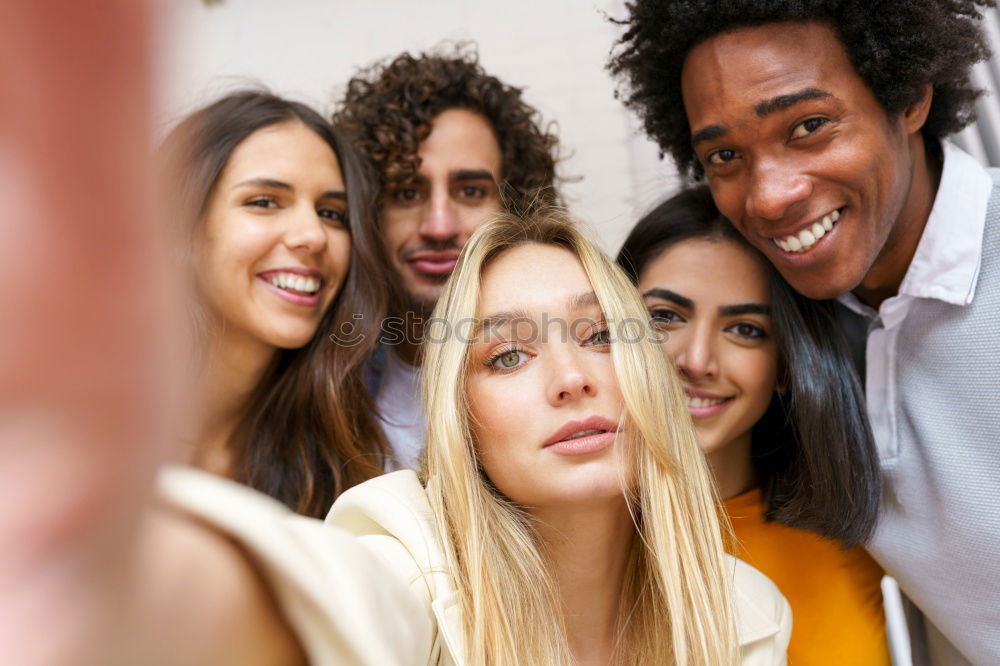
x,y
716,271
535,278
460,140
284,151
725,77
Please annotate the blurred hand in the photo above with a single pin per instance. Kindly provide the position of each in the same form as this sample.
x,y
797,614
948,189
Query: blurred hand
x,y
85,339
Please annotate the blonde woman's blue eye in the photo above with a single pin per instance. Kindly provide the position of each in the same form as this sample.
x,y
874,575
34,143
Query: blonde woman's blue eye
x,y
508,360
600,338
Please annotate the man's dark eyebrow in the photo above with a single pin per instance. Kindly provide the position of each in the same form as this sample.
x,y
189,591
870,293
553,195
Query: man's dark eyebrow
x,y
672,296
707,134
264,182
415,179
745,308
470,174
782,102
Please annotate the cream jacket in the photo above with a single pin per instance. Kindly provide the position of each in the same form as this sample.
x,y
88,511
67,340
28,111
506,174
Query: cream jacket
x,y
371,586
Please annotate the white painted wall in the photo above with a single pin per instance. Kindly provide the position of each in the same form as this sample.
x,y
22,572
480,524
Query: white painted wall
x,y
307,49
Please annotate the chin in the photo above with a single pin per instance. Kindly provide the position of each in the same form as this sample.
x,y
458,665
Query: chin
x,y
819,286
291,339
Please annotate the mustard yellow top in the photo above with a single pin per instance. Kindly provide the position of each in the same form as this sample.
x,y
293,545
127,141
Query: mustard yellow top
x,y
836,595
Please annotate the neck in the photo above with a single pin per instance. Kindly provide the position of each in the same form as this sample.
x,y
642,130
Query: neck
x,y
413,322
886,274
588,547
234,367
732,467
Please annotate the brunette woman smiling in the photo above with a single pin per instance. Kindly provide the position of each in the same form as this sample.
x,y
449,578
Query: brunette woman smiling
x,y
273,204
780,416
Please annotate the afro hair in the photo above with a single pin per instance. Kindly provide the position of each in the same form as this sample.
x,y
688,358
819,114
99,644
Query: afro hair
x,y
896,46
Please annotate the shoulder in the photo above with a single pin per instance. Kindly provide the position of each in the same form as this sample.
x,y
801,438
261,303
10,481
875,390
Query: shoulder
x,y
763,616
391,514
336,597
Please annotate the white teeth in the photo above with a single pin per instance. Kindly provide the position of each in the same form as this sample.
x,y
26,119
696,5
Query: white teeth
x,y
806,238
703,402
297,282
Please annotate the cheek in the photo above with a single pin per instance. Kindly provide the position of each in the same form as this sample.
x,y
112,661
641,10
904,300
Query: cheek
x,y
234,247
759,375
499,425
396,229
339,254
730,198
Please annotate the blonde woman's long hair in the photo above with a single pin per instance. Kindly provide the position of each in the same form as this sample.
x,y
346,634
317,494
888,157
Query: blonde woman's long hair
x,y
676,601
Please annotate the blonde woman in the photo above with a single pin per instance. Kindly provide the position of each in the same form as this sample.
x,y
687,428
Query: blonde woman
x,y
564,513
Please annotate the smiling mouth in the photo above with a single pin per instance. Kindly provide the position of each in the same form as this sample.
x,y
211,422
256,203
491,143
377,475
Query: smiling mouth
x,y
296,284
808,237
700,403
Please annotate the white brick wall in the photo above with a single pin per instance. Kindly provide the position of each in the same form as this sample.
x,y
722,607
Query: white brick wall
x,y
307,49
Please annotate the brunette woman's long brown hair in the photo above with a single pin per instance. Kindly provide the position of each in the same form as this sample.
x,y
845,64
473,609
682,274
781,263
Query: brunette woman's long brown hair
x,y
307,432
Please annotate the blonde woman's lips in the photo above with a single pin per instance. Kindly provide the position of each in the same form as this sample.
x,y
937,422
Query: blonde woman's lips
x,y
582,437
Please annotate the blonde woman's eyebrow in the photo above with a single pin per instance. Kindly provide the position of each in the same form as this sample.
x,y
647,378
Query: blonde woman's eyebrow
x,y
498,319
583,300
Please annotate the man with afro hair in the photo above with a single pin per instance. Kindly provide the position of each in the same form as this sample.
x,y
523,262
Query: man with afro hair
x,y
819,126
452,145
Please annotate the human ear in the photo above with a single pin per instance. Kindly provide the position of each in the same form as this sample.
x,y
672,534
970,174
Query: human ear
x,y
915,115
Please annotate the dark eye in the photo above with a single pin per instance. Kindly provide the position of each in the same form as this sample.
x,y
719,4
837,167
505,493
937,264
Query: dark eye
x,y
406,195
334,215
749,331
807,127
723,156
262,202
665,316
472,192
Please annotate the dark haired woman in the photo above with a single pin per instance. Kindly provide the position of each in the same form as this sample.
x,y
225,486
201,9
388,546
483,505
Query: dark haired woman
x,y
780,415
273,203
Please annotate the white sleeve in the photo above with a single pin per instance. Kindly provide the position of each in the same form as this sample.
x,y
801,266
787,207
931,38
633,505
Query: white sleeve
x,y
345,605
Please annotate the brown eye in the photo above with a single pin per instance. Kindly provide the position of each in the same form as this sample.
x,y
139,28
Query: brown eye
x,y
807,127
749,331
665,316
723,156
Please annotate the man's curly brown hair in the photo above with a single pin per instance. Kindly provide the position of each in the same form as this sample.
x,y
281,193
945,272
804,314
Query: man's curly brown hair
x,y
896,46
389,108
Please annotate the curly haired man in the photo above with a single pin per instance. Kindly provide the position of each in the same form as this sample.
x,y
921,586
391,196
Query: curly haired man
x,y
452,145
819,126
